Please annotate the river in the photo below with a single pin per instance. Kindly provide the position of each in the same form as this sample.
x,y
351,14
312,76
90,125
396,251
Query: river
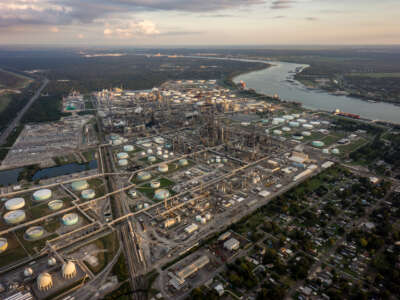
x,y
274,80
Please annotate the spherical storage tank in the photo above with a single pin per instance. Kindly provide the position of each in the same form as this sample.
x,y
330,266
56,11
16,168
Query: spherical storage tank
x,y
151,159
183,162
88,194
129,148
318,144
79,185
163,168
3,245
44,281
14,216
42,195
123,162
161,194
68,270
55,204
70,219
15,203
122,155
34,233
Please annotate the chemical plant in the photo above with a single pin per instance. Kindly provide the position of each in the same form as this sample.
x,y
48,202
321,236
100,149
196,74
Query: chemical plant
x,y
176,167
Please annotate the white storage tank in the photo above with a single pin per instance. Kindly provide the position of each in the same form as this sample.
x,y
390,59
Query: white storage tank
x,y
163,168
123,162
15,216
302,121
308,126
183,162
277,132
42,195
15,203
155,184
79,185
70,219
3,245
318,144
151,159
306,133
129,148
55,204
122,155
143,176
34,232
88,194
294,124
161,194
286,129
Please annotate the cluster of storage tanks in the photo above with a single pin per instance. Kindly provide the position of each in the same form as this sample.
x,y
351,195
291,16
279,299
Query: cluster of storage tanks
x,y
203,220
45,281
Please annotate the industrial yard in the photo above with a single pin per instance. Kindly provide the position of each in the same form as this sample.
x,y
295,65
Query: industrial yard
x,y
190,177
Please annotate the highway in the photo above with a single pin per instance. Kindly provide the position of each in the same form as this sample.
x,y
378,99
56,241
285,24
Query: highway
x,y
17,119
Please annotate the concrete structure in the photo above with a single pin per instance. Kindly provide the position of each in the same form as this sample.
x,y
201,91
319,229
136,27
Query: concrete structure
x,y
15,216
42,195
14,203
44,281
232,244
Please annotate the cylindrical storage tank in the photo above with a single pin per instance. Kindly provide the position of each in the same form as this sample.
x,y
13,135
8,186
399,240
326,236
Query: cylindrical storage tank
x,y
129,148
277,132
34,232
133,193
143,176
28,272
335,151
315,123
306,133
3,245
203,221
139,206
296,115
146,205
318,144
171,154
15,203
88,194
142,153
44,281
151,159
288,117
117,142
163,168
155,184
302,121
149,151
161,194
294,124
286,129
165,156
55,204
70,219
159,152
298,137
79,185
325,151
114,137
123,162
308,126
15,216
42,195
122,155
267,131
208,216
198,218
183,162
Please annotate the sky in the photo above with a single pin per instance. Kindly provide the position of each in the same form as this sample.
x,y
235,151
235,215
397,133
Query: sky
x,y
199,22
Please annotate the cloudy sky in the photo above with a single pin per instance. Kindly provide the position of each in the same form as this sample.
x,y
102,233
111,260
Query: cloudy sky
x,y
199,22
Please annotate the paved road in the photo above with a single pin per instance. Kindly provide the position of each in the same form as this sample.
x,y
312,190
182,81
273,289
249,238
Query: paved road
x,y
17,119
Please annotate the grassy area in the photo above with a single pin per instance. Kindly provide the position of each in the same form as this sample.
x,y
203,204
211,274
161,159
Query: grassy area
x,y
12,80
14,251
331,139
10,141
347,149
4,101
148,191
376,75
108,243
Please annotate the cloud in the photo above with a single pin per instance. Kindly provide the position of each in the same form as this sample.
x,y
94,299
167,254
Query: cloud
x,y
130,29
63,12
311,19
282,4
54,29
80,36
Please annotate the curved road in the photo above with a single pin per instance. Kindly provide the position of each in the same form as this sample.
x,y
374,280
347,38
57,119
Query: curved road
x,y
20,114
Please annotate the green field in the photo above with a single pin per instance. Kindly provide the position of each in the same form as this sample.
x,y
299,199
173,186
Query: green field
x,y
4,101
347,149
376,75
11,80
